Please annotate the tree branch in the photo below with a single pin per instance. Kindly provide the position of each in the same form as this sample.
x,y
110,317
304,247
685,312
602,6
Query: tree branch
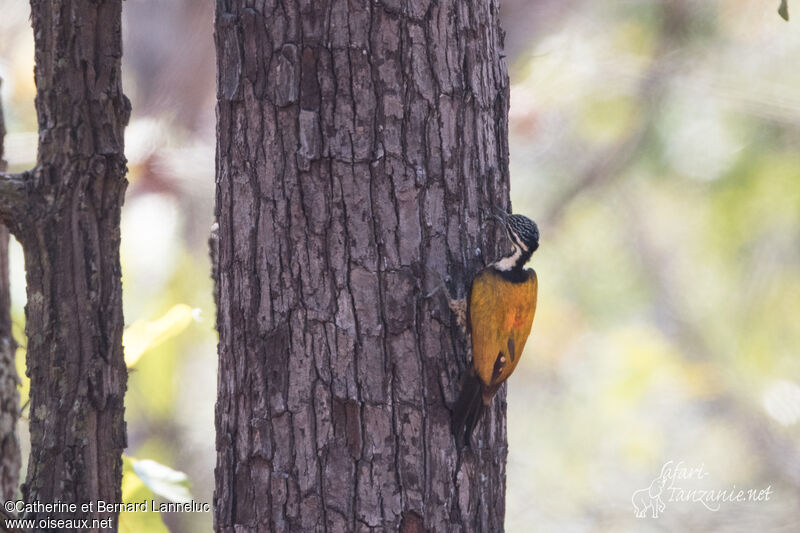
x,y
13,197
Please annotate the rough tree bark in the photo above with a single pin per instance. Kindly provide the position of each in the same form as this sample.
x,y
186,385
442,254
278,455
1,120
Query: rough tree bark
x,y
359,144
9,397
66,214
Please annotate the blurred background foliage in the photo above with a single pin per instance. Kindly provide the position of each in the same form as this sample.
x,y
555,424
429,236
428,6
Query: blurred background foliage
x,y
658,145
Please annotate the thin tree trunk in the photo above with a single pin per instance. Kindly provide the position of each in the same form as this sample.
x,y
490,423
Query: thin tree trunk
x,y
9,397
66,215
359,143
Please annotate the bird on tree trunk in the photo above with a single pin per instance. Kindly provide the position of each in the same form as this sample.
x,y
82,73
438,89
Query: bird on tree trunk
x,y
498,311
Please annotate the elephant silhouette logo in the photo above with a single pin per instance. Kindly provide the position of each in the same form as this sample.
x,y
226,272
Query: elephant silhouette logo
x,y
650,498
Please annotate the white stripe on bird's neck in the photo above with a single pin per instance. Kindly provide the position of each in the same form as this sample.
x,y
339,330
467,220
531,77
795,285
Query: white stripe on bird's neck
x,y
509,262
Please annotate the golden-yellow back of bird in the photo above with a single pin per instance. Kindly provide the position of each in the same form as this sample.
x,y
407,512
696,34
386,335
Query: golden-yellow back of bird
x,y
500,316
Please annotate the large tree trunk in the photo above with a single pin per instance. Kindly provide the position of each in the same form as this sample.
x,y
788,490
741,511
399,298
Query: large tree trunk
x,y
9,397
359,142
66,215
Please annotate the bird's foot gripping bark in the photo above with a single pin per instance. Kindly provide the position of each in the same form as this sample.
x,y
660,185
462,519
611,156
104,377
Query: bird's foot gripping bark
x,y
457,305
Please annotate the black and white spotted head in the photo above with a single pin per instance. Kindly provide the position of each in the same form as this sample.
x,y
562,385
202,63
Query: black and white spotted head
x,y
523,232
524,236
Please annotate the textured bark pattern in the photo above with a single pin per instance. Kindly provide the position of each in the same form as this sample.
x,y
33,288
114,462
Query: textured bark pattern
x,y
9,397
68,225
359,142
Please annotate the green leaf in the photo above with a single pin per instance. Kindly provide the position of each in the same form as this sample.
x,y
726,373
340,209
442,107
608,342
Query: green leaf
x,y
135,491
783,10
143,335
172,485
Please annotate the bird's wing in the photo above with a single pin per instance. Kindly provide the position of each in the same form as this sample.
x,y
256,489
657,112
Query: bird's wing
x,y
522,321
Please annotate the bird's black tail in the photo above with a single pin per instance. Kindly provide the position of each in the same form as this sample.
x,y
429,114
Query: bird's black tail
x,y
468,408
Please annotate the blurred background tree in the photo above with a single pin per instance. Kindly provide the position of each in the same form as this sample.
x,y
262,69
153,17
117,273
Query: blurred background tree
x,y
658,145
9,396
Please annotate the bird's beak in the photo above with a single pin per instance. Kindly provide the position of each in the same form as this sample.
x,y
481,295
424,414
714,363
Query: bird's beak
x,y
500,215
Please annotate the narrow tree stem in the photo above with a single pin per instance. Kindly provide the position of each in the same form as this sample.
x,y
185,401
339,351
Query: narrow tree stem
x,y
9,396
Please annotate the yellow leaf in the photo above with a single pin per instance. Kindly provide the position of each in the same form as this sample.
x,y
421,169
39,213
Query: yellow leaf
x,y
143,335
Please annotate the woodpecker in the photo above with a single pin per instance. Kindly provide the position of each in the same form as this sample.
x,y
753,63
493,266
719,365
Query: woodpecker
x,y
499,313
